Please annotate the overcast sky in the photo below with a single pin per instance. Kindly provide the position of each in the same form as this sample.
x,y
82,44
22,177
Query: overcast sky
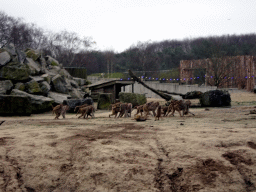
x,y
117,24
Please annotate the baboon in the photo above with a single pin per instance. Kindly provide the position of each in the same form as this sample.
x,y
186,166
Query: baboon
x,y
150,107
78,107
123,110
158,112
115,109
164,110
181,106
89,110
138,117
129,109
139,109
60,110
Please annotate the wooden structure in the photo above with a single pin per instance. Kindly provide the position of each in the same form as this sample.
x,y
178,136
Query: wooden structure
x,y
236,72
109,86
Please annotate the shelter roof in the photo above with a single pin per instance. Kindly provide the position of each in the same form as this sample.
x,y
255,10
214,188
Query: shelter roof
x,y
106,83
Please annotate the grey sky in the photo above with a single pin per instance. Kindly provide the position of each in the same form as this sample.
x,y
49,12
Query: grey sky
x,y
117,24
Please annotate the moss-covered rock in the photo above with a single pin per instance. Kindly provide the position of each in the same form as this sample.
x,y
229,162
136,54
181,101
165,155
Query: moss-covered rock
x,y
134,98
32,54
15,71
39,103
51,61
20,86
5,86
215,98
45,87
104,100
33,87
15,105
59,84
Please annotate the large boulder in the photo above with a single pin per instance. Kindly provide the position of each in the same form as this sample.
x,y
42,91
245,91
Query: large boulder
x,y
59,84
20,86
51,61
33,66
15,105
35,55
5,86
135,99
4,58
45,87
46,78
104,100
15,71
39,103
10,48
72,103
58,97
33,87
76,93
21,56
215,98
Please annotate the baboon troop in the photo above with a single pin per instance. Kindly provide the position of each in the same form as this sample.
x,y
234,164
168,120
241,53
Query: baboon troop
x,y
120,110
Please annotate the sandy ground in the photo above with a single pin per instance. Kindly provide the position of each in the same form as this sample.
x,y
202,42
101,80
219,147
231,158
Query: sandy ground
x,y
215,150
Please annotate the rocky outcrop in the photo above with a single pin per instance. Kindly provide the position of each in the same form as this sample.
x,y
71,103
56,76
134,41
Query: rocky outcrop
x,y
5,86
39,103
215,98
15,105
29,72
58,97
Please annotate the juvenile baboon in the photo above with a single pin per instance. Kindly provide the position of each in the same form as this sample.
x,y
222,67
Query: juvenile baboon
x,y
158,112
138,117
150,107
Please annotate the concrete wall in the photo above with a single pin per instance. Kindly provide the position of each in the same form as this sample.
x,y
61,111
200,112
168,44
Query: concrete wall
x,y
171,87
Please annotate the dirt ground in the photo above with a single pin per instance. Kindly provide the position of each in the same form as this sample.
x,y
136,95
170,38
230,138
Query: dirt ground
x,y
215,150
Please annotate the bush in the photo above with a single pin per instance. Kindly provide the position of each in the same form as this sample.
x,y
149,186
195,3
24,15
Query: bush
x,y
135,99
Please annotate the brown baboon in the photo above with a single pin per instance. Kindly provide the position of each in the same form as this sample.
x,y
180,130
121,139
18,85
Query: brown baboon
x,y
60,110
123,110
181,106
115,109
139,109
78,107
129,109
158,112
164,110
150,107
89,110
138,117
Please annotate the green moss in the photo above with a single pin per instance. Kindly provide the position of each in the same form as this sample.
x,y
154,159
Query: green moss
x,y
53,63
32,54
15,71
33,87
